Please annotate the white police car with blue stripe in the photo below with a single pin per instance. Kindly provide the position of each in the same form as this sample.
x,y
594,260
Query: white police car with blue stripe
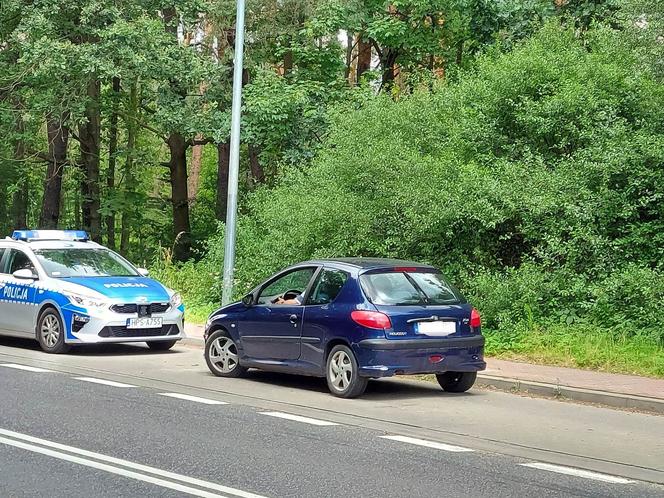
x,y
62,289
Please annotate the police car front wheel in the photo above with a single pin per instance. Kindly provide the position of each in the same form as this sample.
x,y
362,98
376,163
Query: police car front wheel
x,y
50,332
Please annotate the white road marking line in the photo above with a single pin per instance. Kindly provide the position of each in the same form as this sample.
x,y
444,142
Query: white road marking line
x,y
428,444
297,418
103,382
577,472
195,399
109,468
25,367
132,465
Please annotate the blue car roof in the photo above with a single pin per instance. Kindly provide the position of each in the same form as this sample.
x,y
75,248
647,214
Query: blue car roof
x,y
370,263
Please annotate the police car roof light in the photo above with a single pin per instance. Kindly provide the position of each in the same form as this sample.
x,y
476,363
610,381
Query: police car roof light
x,y
71,235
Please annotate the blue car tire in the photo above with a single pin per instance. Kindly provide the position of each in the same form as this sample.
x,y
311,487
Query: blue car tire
x,y
456,382
222,355
342,373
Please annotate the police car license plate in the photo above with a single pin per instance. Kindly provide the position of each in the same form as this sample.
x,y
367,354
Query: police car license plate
x,y
436,329
144,323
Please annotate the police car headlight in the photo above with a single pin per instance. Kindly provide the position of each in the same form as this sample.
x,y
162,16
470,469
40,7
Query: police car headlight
x,y
176,300
86,301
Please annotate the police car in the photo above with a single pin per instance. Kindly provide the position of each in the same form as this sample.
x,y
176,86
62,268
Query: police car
x,y
63,289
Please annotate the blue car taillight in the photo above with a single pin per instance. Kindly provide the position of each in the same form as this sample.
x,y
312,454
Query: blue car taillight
x,y
475,319
372,319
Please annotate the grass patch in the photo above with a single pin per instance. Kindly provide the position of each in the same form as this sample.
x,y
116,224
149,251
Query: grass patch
x,y
199,285
198,314
586,347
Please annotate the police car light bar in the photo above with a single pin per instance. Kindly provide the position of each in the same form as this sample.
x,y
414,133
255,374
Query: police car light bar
x,y
72,235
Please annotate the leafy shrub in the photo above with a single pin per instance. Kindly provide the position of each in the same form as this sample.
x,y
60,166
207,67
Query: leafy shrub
x,y
630,301
535,181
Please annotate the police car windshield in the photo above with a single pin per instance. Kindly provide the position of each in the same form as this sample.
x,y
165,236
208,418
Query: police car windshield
x,y
70,262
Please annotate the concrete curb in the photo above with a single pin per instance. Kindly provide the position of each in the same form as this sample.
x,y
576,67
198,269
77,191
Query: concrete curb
x,y
507,384
193,341
617,400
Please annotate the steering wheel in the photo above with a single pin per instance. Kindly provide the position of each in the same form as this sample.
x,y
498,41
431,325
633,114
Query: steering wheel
x,y
289,294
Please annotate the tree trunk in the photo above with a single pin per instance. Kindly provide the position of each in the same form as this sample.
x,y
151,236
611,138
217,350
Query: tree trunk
x,y
459,53
178,168
112,161
223,163
58,139
257,172
179,197
89,134
389,64
128,170
197,150
195,171
20,201
350,46
363,57
20,211
288,62
84,193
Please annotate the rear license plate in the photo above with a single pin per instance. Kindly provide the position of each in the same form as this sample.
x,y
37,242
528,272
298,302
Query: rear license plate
x,y
144,323
435,329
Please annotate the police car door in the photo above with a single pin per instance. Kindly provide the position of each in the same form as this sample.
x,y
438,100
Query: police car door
x,y
18,295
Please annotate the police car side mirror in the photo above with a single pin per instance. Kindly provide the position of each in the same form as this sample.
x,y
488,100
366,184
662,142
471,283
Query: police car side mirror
x,y
25,274
143,272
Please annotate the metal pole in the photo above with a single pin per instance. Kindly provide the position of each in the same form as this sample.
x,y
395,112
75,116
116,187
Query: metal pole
x,y
234,163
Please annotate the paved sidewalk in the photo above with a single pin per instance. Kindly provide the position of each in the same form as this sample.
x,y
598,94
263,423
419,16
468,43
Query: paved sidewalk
x,y
624,391
582,379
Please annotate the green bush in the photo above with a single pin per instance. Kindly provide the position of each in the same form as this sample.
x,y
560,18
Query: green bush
x,y
535,181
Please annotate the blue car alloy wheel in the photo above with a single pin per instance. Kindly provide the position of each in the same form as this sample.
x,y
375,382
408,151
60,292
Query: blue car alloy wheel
x,y
222,356
343,377
350,320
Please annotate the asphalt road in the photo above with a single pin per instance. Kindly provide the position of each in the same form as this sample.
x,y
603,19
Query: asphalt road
x,y
124,421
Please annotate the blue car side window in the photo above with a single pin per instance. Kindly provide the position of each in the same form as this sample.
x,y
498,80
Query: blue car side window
x,y
297,280
327,287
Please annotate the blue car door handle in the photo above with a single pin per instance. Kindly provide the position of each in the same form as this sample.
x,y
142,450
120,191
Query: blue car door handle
x,y
293,318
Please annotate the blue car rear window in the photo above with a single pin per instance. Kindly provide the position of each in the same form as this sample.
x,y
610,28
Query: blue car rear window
x,y
408,289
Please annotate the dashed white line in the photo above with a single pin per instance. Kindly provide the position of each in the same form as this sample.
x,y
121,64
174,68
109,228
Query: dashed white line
x,y
103,382
297,418
195,399
586,474
44,445
428,444
25,367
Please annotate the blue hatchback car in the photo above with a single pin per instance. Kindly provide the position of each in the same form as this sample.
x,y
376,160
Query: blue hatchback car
x,y
350,320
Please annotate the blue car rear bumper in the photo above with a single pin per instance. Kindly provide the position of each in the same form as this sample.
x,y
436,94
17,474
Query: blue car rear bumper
x,y
385,357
